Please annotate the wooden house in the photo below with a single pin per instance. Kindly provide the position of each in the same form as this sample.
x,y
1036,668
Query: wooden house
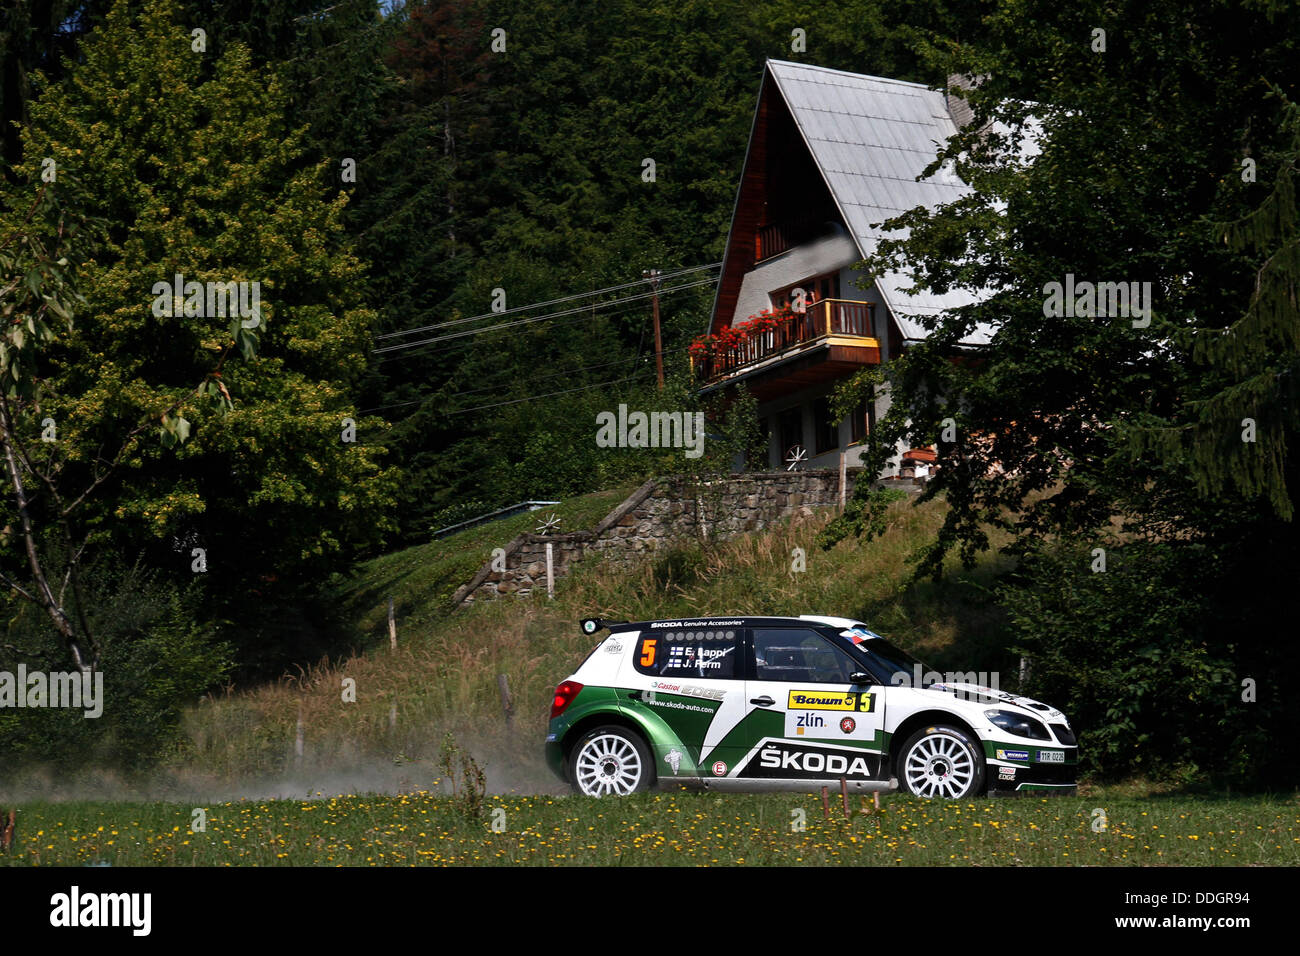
x,y
831,156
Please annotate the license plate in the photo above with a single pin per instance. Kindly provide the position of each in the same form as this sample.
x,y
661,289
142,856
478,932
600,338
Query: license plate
x,y
1051,756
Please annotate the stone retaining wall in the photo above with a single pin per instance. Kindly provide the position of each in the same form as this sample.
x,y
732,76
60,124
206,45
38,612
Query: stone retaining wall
x,y
661,514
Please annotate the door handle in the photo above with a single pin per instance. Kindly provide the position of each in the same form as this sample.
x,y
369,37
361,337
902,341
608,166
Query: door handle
x,y
762,701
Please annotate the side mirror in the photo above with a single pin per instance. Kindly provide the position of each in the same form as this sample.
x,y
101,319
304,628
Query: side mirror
x,y
860,677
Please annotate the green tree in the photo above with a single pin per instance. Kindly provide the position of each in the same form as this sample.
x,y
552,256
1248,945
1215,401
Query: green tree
x,y
1236,434
1078,432
1123,190
203,177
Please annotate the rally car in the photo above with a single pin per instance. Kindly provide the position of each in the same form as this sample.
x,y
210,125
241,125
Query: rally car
x,y
775,703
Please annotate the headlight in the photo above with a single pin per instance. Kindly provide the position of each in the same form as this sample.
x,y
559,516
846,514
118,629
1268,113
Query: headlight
x,y
1022,725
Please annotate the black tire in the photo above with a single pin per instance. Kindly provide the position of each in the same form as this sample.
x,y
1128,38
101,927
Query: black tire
x,y
611,760
941,762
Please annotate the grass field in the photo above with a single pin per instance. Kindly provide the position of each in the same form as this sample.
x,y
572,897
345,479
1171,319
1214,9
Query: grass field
x,y
665,829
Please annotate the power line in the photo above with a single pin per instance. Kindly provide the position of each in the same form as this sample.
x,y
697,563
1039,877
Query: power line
x,y
533,398
486,388
585,309
540,318
592,312
539,305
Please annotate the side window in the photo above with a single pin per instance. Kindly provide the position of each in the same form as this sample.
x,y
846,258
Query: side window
x,y
699,654
801,655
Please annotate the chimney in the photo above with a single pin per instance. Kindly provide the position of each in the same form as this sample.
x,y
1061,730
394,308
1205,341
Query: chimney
x,y
958,108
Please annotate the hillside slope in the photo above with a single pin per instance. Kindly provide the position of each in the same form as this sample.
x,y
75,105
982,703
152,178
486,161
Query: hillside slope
x,y
443,676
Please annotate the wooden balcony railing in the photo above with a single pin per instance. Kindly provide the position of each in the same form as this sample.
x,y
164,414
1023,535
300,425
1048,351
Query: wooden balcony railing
x,y
825,318
774,238
770,240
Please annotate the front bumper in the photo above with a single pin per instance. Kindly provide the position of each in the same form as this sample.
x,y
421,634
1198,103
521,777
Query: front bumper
x,y
1041,778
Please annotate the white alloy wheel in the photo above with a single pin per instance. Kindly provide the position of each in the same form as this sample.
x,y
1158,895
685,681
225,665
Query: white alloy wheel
x,y
941,762
609,761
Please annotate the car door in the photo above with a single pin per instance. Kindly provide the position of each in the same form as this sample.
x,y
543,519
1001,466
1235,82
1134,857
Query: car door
x,y
822,725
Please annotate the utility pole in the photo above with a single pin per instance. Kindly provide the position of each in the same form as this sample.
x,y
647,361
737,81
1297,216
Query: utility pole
x,y
653,276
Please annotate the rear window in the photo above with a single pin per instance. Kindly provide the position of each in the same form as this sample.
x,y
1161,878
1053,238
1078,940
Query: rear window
x,y
700,654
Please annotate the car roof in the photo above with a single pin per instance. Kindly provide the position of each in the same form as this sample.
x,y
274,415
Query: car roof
x,y
842,623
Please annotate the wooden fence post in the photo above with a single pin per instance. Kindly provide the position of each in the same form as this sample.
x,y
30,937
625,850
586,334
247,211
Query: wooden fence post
x,y
7,830
507,705
392,626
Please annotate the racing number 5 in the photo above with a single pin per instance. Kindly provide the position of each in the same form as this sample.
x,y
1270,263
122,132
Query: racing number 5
x,y
648,651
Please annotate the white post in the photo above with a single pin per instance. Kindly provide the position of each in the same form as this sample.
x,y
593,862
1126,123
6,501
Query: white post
x,y
550,571
843,477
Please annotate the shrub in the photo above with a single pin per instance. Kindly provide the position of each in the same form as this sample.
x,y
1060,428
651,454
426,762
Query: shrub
x,y
156,659
1130,653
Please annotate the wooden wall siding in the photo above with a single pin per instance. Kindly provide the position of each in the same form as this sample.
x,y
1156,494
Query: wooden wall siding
x,y
739,256
814,367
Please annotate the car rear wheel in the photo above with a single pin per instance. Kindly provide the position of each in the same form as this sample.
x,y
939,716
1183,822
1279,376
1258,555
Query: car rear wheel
x,y
941,762
611,761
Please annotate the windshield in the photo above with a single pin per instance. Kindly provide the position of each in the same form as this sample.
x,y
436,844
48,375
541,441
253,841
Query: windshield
x,y
887,663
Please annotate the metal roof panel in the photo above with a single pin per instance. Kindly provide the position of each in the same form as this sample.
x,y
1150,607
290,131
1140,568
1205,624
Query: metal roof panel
x,y
872,137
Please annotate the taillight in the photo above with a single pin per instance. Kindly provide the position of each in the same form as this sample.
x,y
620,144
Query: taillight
x,y
564,695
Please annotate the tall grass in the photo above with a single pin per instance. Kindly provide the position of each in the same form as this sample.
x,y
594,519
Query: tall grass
x,y
443,676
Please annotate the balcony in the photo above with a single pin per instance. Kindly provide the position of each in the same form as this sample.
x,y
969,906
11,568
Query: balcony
x,y
773,238
833,336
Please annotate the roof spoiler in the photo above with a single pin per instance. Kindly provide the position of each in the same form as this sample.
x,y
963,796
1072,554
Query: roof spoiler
x,y
590,625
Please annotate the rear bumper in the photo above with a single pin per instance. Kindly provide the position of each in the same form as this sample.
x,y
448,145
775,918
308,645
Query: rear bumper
x,y
555,759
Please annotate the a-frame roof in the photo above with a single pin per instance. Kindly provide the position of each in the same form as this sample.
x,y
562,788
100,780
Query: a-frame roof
x,y
870,138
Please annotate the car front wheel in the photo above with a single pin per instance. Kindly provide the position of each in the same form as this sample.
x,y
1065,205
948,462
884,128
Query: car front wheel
x,y
941,762
611,760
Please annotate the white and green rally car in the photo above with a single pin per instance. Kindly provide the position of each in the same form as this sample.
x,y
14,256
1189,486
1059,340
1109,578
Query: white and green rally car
x,y
777,703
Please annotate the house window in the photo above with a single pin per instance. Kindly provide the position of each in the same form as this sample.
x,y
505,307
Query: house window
x,y
861,421
816,289
828,429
